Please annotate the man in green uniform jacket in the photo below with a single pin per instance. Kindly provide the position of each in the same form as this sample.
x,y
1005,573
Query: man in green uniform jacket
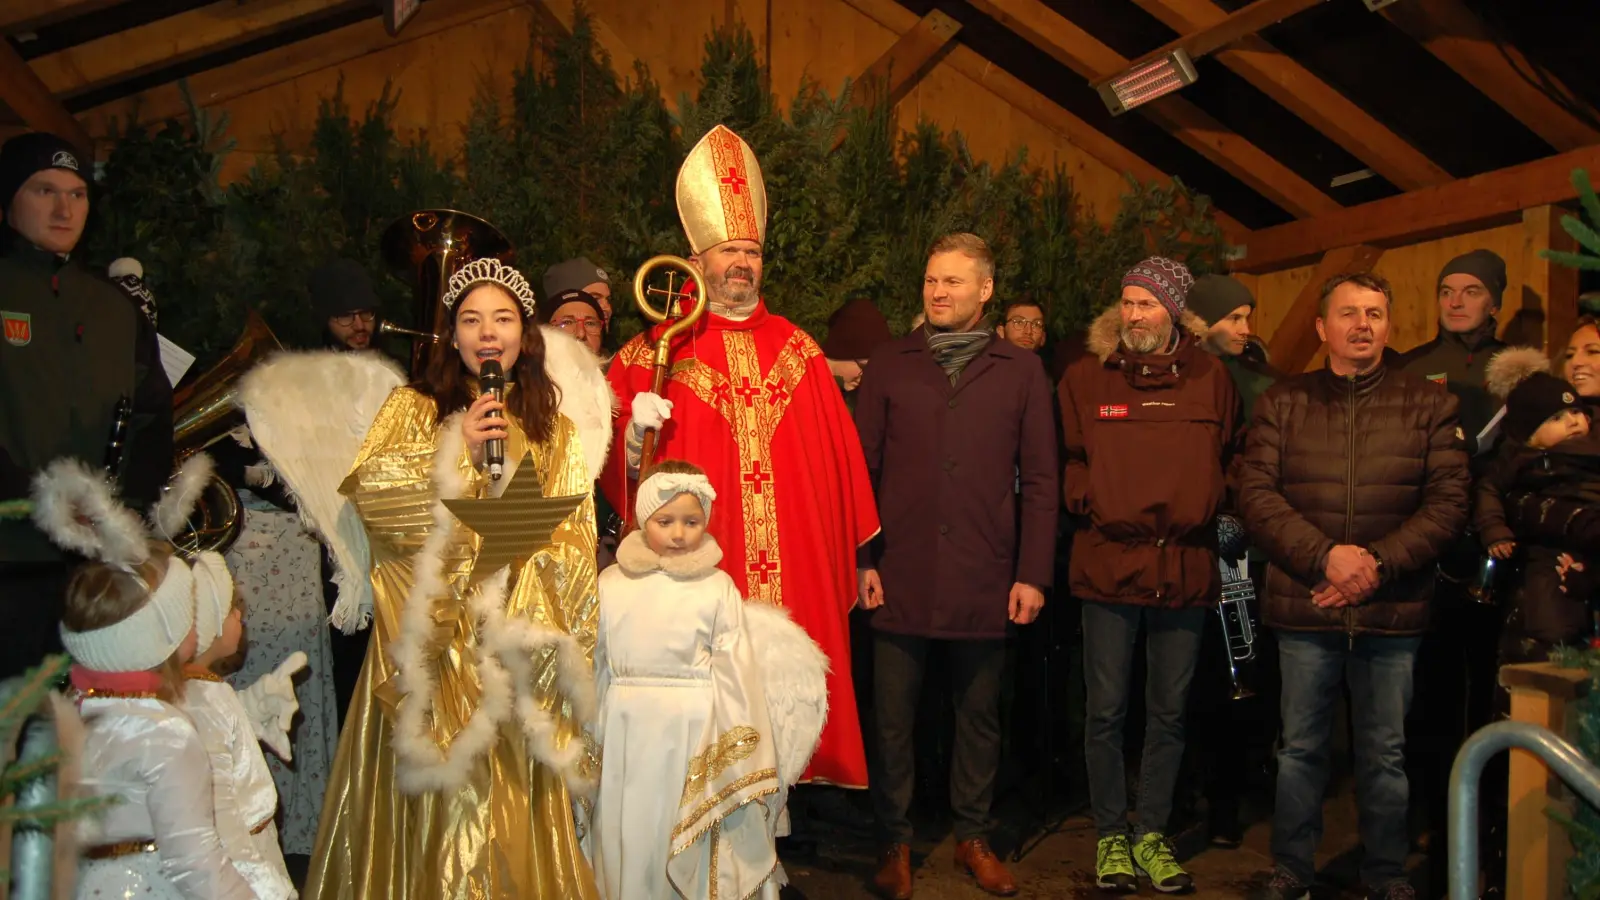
x,y
75,345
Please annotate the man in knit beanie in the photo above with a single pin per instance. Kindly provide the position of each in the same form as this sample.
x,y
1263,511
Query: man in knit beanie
x,y
1457,664
1144,557
1225,305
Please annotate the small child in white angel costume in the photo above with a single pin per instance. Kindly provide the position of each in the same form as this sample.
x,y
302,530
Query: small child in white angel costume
x,y
710,709
128,623
231,724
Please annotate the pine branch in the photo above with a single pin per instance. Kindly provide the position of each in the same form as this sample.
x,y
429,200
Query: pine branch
x,y
50,814
19,774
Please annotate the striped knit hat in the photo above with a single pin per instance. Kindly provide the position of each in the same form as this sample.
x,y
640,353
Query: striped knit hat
x,y
1169,280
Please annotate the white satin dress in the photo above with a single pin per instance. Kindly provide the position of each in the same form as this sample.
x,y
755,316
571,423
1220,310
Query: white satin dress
x,y
245,798
653,669
149,754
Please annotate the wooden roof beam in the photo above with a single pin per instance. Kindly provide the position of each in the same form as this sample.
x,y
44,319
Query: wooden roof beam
x,y
313,54
18,16
1464,205
28,97
1014,92
908,60
1080,51
1294,88
1463,42
175,39
1223,29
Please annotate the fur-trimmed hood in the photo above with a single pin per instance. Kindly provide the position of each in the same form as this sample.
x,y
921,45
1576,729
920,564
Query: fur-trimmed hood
x,y
1510,366
586,396
1104,335
636,558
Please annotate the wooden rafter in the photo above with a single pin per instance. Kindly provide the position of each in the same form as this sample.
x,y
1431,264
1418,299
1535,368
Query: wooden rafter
x,y
1554,287
1278,76
173,40
24,15
313,54
1014,92
1463,42
32,102
1081,52
1225,28
908,59
1295,341
1480,201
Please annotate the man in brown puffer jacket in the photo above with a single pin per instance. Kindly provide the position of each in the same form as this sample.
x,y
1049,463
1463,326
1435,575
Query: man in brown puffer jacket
x,y
1354,478
1150,422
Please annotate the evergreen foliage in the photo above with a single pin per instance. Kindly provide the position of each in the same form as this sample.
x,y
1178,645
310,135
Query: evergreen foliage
x,y
18,707
580,161
1583,870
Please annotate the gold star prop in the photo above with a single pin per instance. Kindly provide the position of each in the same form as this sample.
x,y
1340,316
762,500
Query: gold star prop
x,y
514,525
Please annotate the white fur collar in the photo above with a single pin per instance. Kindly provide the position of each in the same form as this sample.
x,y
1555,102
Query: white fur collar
x,y
636,558
1106,333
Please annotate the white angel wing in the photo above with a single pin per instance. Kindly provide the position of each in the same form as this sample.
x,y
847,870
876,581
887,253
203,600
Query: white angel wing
x,y
309,414
586,396
794,674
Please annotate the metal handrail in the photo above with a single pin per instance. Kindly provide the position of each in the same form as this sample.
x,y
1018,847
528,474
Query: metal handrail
x,y
1559,754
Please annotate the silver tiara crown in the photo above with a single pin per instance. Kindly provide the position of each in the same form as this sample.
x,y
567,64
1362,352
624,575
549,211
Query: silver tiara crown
x,y
489,269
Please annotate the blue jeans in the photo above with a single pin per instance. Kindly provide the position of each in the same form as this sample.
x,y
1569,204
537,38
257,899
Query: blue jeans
x,y
1378,670
1172,644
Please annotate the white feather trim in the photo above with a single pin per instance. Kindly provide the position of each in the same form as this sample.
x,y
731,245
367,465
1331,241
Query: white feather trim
x,y
794,673
313,453
78,508
171,513
505,658
585,396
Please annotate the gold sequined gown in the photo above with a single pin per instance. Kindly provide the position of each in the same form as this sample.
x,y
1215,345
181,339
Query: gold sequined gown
x,y
506,830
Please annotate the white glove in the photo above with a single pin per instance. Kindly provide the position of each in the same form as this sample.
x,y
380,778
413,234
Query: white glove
x,y
650,411
271,704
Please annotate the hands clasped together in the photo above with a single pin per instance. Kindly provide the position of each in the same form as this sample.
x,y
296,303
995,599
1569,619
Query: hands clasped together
x,y
1349,578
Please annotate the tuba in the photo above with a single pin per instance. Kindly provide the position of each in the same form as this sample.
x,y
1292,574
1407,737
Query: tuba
x,y
203,412
427,247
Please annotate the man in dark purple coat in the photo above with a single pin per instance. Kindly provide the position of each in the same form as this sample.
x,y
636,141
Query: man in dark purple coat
x,y
958,431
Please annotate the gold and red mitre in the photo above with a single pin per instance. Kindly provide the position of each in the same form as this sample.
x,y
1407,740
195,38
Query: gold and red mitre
x,y
721,195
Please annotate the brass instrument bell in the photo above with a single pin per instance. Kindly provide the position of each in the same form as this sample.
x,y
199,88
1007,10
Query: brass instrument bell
x,y
427,247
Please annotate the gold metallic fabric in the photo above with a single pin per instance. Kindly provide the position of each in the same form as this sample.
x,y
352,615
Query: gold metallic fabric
x,y
508,831
721,194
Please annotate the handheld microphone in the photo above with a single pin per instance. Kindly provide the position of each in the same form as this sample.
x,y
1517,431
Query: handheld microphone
x,y
492,380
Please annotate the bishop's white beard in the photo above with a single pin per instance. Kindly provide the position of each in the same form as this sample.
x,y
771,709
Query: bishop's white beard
x,y
730,302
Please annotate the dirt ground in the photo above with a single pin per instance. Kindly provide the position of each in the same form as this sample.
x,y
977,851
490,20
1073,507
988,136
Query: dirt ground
x,y
1059,866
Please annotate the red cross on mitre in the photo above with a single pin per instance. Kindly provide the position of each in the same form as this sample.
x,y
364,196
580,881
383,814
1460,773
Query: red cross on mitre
x,y
762,567
734,181
756,478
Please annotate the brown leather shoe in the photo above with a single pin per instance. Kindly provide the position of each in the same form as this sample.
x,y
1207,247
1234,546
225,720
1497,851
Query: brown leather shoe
x,y
991,875
894,872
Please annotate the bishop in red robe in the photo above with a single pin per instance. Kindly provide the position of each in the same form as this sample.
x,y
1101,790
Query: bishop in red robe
x,y
754,405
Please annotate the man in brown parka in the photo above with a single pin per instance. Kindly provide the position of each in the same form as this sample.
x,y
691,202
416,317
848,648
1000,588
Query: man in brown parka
x,y
1354,478
1150,421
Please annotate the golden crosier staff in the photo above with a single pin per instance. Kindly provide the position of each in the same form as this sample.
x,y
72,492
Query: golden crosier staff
x,y
685,321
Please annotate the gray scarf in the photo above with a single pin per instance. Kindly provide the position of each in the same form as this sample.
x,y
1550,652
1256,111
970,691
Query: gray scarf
x,y
952,350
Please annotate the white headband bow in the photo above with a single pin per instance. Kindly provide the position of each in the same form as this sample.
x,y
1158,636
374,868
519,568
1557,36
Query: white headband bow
x,y
659,489
145,639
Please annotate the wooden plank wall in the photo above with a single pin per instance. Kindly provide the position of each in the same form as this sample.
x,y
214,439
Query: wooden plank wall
x,y
1413,272
825,40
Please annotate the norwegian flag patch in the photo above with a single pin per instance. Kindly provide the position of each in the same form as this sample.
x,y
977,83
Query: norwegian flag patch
x,y
1119,411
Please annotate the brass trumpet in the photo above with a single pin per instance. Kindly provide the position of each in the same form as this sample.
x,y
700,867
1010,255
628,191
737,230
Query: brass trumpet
x,y
1238,631
387,327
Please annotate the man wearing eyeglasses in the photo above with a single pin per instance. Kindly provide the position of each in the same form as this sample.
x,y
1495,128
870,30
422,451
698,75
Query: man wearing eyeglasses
x,y
577,313
580,274
342,296
1022,324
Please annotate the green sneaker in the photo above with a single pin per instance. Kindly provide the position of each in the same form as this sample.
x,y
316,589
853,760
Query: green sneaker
x,y
1113,866
1154,857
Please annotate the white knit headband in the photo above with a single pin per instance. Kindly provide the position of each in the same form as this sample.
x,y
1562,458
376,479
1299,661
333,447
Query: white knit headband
x,y
213,597
659,489
145,639
490,271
